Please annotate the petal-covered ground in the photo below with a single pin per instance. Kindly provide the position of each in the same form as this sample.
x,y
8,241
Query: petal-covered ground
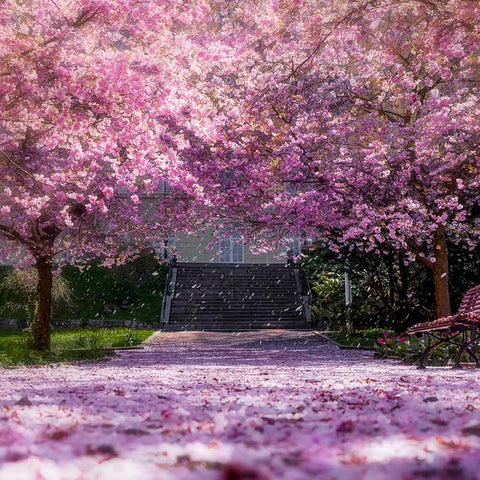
x,y
251,406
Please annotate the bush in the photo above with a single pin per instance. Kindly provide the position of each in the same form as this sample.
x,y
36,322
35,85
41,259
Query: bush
x,y
359,338
133,290
130,291
19,289
387,291
410,347
329,304
325,271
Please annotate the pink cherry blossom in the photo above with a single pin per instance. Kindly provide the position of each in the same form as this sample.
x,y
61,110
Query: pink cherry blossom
x,y
351,123
87,109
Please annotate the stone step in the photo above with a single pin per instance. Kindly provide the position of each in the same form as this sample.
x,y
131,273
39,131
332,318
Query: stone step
x,y
233,266
240,301
235,272
237,319
236,306
233,314
184,297
293,320
239,274
225,291
233,288
244,305
192,326
236,288
232,283
232,297
210,296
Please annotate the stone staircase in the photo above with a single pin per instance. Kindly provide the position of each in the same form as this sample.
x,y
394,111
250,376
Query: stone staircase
x,y
235,297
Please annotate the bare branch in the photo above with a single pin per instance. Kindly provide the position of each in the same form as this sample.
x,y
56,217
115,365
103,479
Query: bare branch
x,y
12,162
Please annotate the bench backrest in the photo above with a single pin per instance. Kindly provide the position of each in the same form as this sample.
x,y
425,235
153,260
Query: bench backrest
x,y
470,301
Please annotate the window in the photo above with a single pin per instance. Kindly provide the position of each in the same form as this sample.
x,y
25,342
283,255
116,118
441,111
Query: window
x,y
163,187
297,244
232,249
123,191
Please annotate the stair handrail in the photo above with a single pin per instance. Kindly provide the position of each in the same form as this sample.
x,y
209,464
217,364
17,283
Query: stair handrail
x,y
306,292
168,293
165,294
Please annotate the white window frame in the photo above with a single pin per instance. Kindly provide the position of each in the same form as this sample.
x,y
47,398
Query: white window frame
x,y
163,187
231,248
296,246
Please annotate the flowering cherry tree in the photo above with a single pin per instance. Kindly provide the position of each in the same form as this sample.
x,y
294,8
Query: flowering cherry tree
x,y
357,122
85,88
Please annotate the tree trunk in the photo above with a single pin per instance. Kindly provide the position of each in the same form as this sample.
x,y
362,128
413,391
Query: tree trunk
x,y
41,325
440,274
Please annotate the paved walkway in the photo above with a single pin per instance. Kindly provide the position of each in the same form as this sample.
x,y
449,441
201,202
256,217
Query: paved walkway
x,y
247,406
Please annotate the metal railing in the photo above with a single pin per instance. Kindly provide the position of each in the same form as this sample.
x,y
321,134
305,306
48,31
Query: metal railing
x,y
306,296
168,294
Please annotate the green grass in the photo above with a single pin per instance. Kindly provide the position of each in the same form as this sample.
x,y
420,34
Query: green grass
x,y
364,338
67,345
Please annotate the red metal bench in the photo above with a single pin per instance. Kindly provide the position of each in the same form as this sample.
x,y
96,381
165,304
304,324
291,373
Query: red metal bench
x,y
461,330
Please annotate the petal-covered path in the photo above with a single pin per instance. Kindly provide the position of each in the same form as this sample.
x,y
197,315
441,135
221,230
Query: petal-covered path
x,y
251,406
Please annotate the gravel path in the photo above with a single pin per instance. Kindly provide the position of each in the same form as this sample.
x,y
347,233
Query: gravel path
x,y
249,406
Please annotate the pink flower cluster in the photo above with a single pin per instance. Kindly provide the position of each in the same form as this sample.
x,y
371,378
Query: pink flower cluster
x,y
389,339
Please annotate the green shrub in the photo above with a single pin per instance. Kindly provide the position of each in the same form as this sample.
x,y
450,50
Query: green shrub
x,y
387,290
134,290
326,276
368,337
19,290
410,347
126,292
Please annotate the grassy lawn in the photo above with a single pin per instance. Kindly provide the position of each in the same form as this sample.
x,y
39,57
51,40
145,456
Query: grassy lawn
x,y
364,338
67,345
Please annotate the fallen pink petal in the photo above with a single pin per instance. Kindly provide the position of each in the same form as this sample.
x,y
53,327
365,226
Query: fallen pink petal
x,y
259,405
